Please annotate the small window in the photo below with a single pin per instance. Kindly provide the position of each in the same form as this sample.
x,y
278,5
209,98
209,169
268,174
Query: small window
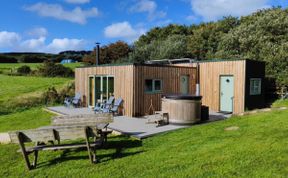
x,y
153,85
255,86
149,85
157,85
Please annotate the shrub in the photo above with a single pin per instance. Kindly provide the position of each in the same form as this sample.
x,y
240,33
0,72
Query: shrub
x,y
50,69
24,70
67,91
50,96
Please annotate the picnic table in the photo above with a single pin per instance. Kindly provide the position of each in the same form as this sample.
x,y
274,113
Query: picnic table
x,y
91,128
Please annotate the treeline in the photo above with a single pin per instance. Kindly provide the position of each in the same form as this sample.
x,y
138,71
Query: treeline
x,y
41,57
261,36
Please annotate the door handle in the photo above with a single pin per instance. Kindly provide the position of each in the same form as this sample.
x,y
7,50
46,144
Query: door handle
x,y
221,93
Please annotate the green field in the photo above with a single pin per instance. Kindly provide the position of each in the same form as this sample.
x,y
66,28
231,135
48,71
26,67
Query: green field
x,y
28,119
18,91
14,87
257,149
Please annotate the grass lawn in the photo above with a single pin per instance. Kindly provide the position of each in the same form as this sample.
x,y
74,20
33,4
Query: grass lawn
x,y
280,103
16,86
30,118
257,149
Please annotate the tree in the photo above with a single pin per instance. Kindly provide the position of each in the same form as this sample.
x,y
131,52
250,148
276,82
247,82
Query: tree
x,y
175,46
163,33
50,69
7,59
109,53
261,36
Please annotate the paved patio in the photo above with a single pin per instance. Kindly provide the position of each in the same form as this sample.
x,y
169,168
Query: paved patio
x,y
136,127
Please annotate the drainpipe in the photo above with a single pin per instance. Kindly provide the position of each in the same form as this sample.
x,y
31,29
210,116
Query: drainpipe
x,y
197,80
97,53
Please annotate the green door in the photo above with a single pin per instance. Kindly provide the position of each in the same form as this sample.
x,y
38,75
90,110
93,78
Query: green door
x,y
226,93
184,84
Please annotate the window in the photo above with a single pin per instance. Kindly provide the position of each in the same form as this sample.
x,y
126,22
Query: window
x,y
157,85
153,85
255,86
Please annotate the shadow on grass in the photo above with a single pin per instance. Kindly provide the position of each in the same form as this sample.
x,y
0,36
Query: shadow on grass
x,y
113,149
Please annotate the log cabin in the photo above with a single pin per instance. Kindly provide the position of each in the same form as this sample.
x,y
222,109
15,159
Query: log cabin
x,y
225,85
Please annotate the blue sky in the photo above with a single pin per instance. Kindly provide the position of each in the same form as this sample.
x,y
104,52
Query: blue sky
x,y
57,25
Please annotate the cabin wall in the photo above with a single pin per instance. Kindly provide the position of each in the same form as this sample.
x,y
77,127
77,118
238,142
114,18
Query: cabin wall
x,y
170,77
255,101
210,73
123,83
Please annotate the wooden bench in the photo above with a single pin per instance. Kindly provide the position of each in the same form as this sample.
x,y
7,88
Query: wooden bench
x,y
48,138
99,119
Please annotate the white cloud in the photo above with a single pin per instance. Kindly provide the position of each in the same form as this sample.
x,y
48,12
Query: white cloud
x,y
38,32
12,41
211,10
77,1
123,30
58,45
147,6
8,39
144,6
32,45
77,15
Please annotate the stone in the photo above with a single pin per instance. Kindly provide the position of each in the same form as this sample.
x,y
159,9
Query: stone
x,y
4,138
231,128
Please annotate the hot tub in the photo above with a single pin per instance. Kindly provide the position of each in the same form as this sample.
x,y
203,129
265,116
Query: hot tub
x,y
182,109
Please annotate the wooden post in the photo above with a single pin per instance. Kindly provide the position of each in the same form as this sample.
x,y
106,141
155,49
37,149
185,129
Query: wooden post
x,y
23,150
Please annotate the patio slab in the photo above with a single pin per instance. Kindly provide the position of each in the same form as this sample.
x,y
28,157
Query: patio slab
x,y
135,127
69,111
138,127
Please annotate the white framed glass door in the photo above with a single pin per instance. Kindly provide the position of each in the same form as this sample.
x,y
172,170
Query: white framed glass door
x,y
101,87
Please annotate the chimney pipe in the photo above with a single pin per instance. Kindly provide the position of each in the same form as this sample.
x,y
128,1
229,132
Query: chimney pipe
x,y
97,53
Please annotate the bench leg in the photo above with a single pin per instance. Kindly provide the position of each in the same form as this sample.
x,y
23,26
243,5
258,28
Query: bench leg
x,y
26,158
24,152
91,151
94,159
35,159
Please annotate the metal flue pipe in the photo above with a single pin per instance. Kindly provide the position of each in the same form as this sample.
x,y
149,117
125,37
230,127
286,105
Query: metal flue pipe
x,y
97,53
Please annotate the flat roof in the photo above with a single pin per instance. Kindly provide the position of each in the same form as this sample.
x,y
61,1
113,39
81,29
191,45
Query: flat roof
x,y
134,64
165,65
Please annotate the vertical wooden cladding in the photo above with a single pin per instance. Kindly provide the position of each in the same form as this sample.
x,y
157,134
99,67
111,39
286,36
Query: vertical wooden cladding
x,y
129,84
123,82
170,77
210,73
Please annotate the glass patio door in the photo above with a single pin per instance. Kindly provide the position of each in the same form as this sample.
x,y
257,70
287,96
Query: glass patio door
x,y
100,89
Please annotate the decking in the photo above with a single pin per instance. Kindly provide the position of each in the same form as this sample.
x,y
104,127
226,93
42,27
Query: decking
x,y
135,127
